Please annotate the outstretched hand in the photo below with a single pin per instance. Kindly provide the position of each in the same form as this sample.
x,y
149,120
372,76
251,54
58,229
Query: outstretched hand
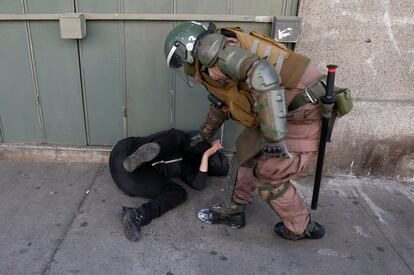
x,y
215,146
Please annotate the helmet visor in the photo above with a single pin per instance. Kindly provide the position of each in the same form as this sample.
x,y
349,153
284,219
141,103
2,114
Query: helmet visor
x,y
177,55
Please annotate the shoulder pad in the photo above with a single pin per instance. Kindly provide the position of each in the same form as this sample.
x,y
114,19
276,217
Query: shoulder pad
x,y
209,47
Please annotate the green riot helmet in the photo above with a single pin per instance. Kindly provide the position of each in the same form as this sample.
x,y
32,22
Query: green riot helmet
x,y
179,44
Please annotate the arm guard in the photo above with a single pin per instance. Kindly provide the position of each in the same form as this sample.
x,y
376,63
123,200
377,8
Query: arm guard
x,y
271,105
213,122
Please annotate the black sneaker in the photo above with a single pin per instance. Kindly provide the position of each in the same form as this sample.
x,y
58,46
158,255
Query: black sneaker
x,y
132,220
144,153
312,231
232,215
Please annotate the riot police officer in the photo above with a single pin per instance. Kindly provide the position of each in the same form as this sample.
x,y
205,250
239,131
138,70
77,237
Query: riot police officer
x,y
273,92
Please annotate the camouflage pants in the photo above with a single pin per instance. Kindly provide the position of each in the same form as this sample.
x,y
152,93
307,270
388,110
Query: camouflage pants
x,y
272,175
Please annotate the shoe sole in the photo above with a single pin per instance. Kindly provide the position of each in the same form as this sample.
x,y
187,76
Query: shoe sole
x,y
144,153
279,232
205,215
127,229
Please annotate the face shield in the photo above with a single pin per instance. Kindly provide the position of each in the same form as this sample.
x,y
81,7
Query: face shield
x,y
181,61
177,55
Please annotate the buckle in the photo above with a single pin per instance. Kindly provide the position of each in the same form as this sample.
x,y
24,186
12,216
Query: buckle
x,y
312,98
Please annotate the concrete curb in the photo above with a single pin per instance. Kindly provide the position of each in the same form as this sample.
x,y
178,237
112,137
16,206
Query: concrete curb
x,y
100,154
54,153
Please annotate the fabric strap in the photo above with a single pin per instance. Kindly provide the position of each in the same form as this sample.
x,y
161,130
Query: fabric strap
x,y
308,95
279,63
269,187
254,47
268,51
280,193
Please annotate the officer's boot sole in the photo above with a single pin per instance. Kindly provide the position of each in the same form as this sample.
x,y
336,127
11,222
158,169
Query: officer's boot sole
x,y
144,153
313,231
235,220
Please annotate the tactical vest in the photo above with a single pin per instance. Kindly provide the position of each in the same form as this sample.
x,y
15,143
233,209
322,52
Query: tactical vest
x,y
292,65
236,95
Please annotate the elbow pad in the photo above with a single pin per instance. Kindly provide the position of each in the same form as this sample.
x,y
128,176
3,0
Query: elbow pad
x,y
271,106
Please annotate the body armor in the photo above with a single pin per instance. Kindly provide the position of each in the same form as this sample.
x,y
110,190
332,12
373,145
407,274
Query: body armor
x,y
259,76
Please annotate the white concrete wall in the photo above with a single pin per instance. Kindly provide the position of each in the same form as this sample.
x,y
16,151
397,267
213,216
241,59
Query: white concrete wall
x,y
372,42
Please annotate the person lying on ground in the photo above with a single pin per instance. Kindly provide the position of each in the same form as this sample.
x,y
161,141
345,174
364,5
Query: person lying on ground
x,y
144,166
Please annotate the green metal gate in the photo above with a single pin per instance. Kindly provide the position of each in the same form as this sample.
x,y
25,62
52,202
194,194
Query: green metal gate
x,y
114,82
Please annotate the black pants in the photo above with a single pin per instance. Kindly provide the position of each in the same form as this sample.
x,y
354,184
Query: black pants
x,y
145,181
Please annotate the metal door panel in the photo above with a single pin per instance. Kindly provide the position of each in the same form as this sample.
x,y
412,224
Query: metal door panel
x,y
145,6
103,82
57,68
47,6
96,6
11,6
18,109
191,105
148,82
257,7
102,62
201,6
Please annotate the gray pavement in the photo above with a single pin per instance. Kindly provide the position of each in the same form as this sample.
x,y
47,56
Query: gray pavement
x,y
65,219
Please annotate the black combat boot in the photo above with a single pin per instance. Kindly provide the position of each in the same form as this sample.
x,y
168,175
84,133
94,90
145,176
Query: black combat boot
x,y
132,220
144,153
312,231
219,213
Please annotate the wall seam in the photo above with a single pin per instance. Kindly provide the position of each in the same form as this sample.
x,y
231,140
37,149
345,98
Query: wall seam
x,y
34,76
122,39
82,83
173,81
1,131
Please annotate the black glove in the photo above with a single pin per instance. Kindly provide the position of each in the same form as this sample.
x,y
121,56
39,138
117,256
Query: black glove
x,y
196,140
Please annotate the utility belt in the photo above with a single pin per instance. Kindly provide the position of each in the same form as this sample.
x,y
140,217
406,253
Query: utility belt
x,y
343,99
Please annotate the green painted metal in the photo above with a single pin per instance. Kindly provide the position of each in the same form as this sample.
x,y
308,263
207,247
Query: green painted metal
x,y
201,6
85,85
18,112
145,6
147,77
1,131
148,86
58,75
191,105
102,63
10,6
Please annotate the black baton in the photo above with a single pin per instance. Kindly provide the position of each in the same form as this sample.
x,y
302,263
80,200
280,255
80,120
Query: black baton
x,y
327,99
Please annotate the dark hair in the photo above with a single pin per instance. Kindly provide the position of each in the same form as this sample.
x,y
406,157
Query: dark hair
x,y
218,164
199,148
